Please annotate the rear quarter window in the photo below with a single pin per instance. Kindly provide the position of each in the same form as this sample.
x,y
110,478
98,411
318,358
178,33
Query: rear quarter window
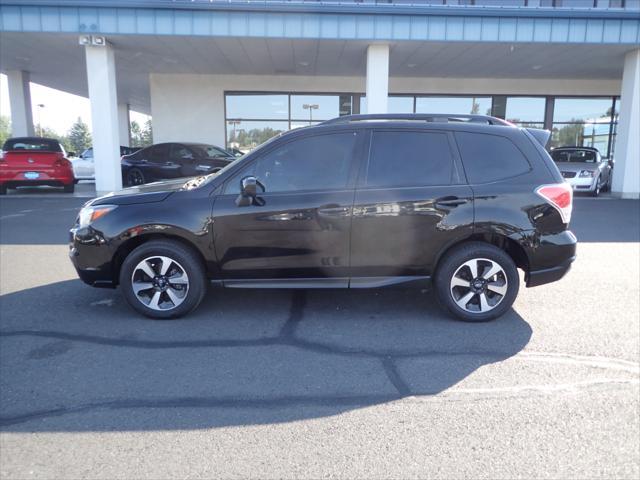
x,y
488,158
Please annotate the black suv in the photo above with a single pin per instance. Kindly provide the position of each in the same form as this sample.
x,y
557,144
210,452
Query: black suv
x,y
355,202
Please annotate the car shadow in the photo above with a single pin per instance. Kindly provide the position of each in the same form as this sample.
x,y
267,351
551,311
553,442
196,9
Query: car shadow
x,y
75,358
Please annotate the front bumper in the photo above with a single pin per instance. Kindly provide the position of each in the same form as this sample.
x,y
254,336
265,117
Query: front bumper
x,y
584,184
91,257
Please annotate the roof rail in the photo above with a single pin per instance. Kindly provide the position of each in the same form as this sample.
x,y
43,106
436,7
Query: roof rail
x,y
421,117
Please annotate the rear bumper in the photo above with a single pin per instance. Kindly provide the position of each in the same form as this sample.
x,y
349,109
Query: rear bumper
x,y
551,258
53,178
548,275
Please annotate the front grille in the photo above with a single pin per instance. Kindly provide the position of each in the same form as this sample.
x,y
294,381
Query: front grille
x,y
568,174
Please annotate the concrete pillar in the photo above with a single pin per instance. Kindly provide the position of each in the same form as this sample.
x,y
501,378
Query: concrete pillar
x,y
101,76
626,173
20,102
124,124
377,78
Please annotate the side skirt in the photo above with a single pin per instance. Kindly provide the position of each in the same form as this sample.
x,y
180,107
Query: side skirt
x,y
340,282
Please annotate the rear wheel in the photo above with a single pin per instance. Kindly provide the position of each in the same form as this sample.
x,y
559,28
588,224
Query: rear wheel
x,y
477,282
3,189
163,279
69,188
134,177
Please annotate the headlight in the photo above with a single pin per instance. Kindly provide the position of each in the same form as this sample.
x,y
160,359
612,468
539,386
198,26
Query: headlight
x,y
586,173
88,215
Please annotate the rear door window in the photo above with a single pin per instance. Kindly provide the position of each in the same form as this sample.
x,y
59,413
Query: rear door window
x,y
488,158
409,158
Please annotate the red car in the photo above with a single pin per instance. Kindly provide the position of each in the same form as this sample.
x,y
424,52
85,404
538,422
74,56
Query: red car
x,y
33,161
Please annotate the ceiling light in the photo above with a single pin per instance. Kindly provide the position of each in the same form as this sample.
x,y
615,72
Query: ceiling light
x,y
412,65
537,67
303,64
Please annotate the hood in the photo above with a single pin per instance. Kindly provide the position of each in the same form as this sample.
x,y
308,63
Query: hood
x,y
148,193
576,166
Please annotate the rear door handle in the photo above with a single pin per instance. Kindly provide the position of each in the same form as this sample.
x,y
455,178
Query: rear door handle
x,y
450,201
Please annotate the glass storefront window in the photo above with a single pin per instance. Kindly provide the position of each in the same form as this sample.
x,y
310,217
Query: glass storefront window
x,y
245,135
314,107
521,110
394,104
258,106
581,109
582,135
454,105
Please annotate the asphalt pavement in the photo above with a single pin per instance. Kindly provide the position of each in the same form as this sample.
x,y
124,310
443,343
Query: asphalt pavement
x,y
314,384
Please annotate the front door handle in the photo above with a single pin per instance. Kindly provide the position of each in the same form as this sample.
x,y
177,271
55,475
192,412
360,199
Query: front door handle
x,y
450,201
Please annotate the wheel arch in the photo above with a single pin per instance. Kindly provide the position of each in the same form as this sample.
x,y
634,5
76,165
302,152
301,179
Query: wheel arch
x,y
503,242
134,242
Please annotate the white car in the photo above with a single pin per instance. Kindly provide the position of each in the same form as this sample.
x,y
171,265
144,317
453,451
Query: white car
x,y
584,169
84,167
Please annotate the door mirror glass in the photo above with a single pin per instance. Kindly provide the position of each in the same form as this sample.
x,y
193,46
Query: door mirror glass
x,y
71,154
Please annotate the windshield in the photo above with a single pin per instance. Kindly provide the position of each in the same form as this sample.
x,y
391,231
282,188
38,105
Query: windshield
x,y
209,151
32,145
583,156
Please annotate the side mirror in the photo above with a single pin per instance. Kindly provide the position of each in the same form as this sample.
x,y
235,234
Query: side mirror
x,y
249,187
71,154
612,162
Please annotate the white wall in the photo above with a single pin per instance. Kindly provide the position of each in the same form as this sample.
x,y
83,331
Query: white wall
x,y
191,107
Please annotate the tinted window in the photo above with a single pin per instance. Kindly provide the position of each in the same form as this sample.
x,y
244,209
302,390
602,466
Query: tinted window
x,y
180,152
488,158
409,159
32,144
320,162
160,152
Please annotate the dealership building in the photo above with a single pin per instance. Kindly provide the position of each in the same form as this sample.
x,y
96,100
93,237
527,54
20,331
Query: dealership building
x,y
236,72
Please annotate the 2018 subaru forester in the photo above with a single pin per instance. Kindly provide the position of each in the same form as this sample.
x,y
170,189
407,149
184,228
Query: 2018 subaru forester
x,y
460,202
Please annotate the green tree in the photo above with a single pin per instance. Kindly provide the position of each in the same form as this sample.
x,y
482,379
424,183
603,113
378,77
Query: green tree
x,y
5,129
135,134
79,137
146,134
141,136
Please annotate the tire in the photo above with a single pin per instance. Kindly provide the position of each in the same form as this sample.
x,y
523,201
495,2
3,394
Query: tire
x,y
3,189
181,260
597,189
134,177
485,257
69,188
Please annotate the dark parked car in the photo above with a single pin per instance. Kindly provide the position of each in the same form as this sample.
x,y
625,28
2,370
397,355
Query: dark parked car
x,y
459,203
584,169
172,160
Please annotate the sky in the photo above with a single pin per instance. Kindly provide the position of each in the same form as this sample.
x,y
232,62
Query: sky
x,y
60,109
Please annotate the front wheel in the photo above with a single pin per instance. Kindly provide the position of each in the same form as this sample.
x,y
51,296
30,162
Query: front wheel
x,y
134,177
69,188
477,282
596,189
163,279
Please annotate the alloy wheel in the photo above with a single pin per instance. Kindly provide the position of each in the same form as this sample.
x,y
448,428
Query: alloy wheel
x,y
479,285
135,178
160,283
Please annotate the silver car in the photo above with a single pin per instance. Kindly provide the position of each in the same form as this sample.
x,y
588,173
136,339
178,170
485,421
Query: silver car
x,y
584,169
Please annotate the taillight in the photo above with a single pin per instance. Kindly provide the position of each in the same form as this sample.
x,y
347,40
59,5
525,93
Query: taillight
x,y
560,196
62,162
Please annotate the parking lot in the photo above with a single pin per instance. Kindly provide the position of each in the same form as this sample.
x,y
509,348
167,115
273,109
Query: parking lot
x,y
290,384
